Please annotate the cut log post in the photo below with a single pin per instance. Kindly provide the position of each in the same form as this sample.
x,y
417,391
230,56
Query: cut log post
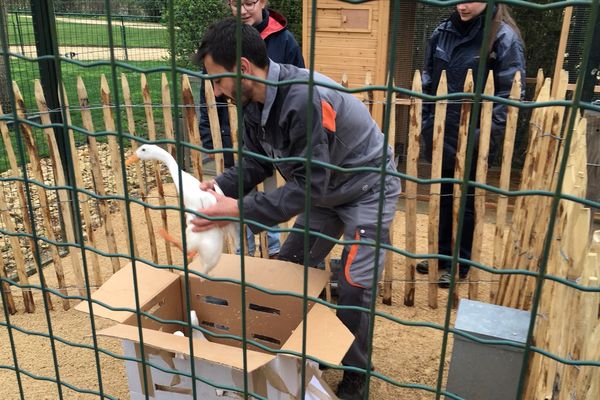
x,y
97,177
435,189
459,171
516,249
263,241
63,197
215,126
38,174
191,120
388,271
485,132
7,296
539,82
233,127
410,208
504,184
368,94
84,200
233,132
138,168
167,118
115,158
17,251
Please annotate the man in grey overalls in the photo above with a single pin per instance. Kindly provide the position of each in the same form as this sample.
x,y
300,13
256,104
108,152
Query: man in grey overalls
x,y
341,134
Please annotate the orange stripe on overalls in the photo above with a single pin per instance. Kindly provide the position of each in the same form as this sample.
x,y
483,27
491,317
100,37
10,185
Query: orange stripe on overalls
x,y
328,116
349,260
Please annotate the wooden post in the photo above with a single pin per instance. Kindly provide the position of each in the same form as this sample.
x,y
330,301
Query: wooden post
x,y
65,205
191,120
215,126
388,271
138,169
5,287
115,157
593,155
168,122
439,124
97,177
84,201
459,169
504,184
43,199
410,202
562,44
539,82
156,166
485,132
368,94
9,224
233,132
516,249
233,127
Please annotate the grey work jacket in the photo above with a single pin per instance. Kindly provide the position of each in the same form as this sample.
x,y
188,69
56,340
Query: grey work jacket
x,y
343,135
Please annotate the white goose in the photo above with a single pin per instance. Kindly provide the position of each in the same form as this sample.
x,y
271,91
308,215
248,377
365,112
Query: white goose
x,y
207,245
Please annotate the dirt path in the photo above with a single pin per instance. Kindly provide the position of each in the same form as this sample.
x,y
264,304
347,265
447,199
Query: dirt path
x,y
405,354
86,53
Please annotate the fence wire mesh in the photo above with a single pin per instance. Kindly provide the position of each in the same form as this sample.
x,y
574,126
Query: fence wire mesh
x,y
111,39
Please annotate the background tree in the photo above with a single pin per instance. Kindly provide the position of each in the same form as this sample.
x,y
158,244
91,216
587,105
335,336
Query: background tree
x,y
192,17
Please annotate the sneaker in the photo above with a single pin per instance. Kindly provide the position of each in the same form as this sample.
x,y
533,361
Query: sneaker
x,y
352,386
423,267
444,280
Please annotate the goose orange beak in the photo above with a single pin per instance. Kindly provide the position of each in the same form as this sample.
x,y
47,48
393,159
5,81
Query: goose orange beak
x,y
131,160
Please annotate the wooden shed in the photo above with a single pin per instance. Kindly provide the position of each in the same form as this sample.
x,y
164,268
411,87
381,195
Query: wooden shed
x,y
350,39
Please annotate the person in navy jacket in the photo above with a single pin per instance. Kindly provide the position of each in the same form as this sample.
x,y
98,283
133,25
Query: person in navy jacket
x,y
281,48
455,47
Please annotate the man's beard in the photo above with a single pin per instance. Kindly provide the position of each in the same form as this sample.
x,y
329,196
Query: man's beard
x,y
245,96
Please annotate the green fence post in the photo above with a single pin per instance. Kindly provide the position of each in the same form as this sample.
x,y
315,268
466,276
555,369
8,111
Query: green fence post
x,y
20,33
46,43
124,38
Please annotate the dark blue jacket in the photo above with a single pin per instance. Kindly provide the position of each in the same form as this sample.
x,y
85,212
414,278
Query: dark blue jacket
x,y
281,48
449,50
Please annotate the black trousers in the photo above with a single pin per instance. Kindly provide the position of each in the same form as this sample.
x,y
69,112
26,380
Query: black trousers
x,y
446,223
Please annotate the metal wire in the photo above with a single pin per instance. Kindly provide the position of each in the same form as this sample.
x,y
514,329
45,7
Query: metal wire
x,y
475,99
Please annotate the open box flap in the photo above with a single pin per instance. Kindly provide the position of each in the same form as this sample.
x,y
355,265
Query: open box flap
x,y
327,338
213,352
270,274
118,291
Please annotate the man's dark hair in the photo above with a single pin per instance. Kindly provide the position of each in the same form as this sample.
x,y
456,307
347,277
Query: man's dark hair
x,y
220,42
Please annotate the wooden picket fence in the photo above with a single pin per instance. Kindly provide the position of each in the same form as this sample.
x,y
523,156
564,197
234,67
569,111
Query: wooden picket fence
x,y
109,217
540,154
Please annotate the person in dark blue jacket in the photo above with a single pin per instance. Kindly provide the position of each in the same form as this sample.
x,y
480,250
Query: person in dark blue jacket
x,y
281,48
455,47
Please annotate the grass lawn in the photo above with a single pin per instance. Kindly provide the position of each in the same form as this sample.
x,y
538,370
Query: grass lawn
x,y
20,32
25,72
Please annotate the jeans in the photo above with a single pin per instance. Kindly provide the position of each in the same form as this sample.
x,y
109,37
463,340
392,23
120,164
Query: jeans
x,y
272,240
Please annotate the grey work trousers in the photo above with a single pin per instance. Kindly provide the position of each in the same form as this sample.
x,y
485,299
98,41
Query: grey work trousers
x,y
356,220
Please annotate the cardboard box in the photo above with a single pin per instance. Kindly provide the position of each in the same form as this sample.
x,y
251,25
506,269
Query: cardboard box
x,y
274,321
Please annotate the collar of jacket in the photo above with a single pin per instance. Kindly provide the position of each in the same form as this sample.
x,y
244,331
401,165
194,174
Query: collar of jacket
x,y
448,26
272,22
271,91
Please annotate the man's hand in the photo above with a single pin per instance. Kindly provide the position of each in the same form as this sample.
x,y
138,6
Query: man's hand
x,y
208,185
225,207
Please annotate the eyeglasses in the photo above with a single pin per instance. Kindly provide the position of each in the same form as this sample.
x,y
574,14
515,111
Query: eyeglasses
x,y
248,5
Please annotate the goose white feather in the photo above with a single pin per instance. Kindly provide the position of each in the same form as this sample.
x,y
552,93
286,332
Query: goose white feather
x,y
208,245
